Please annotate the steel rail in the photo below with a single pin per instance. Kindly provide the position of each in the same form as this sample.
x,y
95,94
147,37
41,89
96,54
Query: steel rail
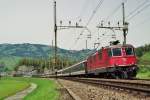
x,y
119,85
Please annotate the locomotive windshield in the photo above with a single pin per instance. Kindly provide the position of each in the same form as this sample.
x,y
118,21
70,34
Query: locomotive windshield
x,y
116,51
129,51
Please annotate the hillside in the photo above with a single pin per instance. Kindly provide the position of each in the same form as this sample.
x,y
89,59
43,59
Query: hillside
x,y
10,61
11,53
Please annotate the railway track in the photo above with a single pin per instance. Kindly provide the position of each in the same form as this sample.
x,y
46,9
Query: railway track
x,y
140,87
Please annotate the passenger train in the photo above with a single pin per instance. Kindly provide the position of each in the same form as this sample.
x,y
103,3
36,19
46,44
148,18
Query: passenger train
x,y
116,61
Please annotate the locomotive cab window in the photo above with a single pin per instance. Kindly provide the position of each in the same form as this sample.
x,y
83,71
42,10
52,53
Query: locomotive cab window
x,y
116,51
129,51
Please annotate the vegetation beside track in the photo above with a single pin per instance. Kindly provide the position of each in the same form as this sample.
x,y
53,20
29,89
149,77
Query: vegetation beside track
x,y
143,54
46,89
9,86
144,72
146,56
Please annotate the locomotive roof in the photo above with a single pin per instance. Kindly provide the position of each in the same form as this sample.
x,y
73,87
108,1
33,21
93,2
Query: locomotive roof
x,y
112,46
119,45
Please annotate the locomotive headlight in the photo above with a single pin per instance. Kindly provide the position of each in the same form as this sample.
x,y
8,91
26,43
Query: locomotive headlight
x,y
115,64
133,63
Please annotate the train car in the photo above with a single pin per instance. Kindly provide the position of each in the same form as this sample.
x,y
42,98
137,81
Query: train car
x,y
117,61
74,70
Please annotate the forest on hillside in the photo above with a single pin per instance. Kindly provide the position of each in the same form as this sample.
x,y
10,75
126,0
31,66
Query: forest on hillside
x,y
140,51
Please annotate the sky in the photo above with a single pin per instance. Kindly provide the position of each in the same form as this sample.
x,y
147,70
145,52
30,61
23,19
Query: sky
x,y
32,21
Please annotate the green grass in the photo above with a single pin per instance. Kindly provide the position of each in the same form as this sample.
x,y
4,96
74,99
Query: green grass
x,y
146,56
10,86
144,66
46,89
145,59
144,72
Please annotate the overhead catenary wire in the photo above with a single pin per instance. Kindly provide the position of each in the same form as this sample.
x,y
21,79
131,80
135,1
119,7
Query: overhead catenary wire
x,y
138,7
90,19
142,22
79,17
83,9
114,11
135,12
110,15
138,10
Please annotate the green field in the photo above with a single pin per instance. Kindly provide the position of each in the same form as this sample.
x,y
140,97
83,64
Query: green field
x,y
46,89
144,72
10,86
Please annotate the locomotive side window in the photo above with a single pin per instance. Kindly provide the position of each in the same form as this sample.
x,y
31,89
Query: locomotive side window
x,y
100,54
109,52
94,57
129,51
90,59
116,51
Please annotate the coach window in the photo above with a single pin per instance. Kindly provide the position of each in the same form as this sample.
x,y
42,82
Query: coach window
x,y
116,51
129,51
100,54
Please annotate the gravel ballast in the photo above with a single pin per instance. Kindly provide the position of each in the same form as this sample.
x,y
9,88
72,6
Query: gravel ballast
x,y
89,92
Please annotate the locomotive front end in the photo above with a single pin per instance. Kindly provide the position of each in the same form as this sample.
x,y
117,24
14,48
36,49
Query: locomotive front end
x,y
124,60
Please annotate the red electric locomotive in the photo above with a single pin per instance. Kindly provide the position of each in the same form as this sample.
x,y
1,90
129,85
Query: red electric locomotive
x,y
117,61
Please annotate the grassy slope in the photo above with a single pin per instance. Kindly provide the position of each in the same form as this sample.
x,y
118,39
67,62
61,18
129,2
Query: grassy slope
x,y
144,72
146,56
144,66
46,90
9,87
